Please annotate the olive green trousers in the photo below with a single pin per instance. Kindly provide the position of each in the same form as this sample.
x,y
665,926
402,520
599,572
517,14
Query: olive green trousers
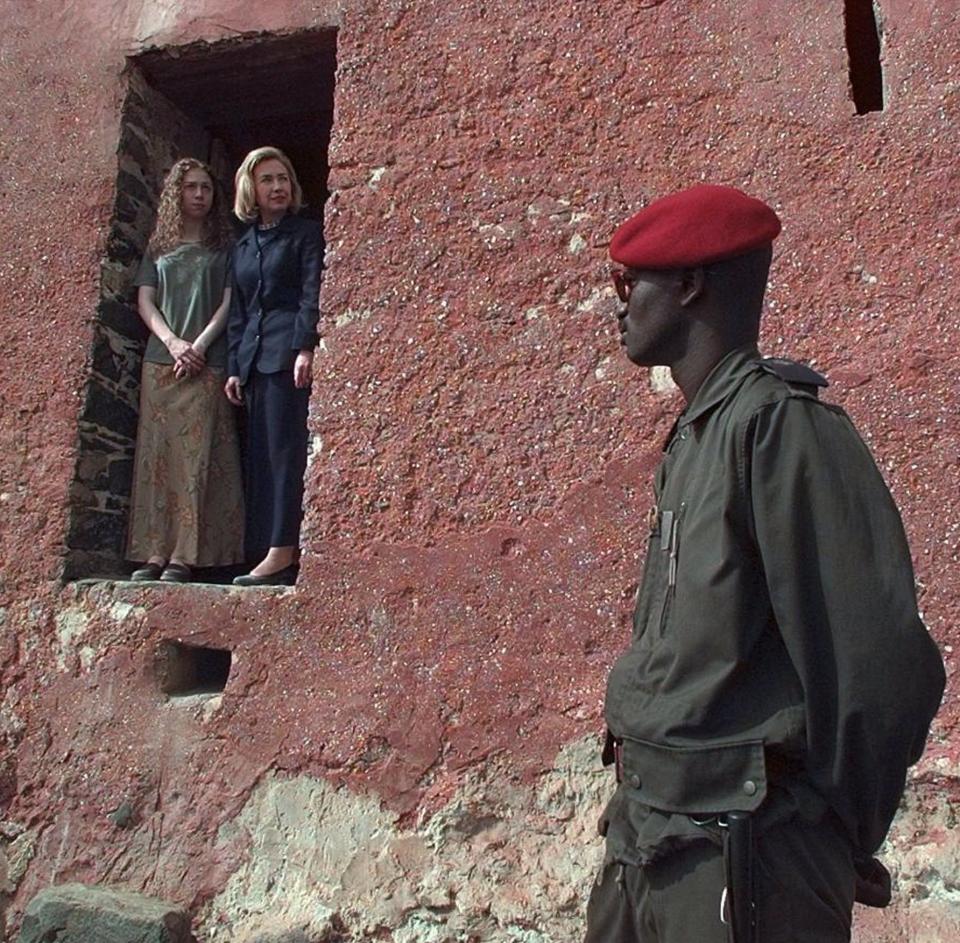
x,y
804,892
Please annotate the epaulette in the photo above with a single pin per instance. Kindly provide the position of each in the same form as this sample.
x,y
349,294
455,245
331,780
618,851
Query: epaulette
x,y
792,372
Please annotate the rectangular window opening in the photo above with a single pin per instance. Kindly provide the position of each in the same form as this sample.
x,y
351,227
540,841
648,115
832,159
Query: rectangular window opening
x,y
862,33
186,670
213,101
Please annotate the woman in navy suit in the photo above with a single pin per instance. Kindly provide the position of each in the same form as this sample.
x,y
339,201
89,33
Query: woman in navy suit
x,y
271,334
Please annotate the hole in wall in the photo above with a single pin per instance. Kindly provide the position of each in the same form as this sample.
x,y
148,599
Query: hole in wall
x,y
183,670
862,34
213,101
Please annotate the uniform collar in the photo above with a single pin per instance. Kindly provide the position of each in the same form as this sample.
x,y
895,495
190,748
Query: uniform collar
x,y
719,384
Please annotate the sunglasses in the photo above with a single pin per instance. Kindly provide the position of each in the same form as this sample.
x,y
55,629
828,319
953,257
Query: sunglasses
x,y
623,283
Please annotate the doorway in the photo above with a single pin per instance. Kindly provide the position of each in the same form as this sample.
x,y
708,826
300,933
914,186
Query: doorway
x,y
215,102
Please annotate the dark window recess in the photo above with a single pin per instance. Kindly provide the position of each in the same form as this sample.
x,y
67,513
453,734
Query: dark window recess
x,y
191,669
863,48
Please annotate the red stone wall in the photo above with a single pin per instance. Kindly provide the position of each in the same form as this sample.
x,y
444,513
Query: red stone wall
x,y
482,454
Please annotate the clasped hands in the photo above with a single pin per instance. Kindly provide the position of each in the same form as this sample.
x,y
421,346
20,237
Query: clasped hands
x,y
188,360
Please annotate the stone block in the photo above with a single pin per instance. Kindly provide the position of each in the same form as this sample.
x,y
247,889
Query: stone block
x,y
105,362
108,565
122,250
128,185
120,472
121,317
79,913
105,409
97,530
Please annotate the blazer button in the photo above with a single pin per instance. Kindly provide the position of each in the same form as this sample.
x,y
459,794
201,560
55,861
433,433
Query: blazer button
x,y
635,780
750,787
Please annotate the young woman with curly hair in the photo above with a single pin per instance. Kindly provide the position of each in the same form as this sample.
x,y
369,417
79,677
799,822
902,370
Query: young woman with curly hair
x,y
187,504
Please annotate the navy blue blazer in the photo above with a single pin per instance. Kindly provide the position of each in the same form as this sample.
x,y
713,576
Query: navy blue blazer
x,y
274,306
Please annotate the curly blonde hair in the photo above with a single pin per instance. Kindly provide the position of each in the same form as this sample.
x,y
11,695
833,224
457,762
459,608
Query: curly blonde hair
x,y
245,201
168,231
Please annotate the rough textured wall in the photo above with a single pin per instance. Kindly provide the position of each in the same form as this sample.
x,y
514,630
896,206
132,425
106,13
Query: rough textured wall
x,y
405,745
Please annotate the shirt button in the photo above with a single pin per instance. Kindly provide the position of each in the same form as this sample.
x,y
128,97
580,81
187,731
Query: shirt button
x,y
635,781
750,787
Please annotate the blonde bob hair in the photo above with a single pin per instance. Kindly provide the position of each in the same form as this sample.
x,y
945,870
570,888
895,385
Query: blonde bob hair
x,y
245,202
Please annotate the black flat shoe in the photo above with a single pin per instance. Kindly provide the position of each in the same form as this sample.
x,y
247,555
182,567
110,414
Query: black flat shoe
x,y
149,571
285,577
176,573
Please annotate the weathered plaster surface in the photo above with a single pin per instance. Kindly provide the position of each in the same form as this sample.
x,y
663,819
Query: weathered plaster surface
x,y
480,476
499,861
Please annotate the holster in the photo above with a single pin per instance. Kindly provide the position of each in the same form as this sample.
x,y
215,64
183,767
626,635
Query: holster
x,y
873,887
738,859
613,754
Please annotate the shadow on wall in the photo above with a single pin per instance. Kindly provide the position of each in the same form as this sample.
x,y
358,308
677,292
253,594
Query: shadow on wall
x,y
214,102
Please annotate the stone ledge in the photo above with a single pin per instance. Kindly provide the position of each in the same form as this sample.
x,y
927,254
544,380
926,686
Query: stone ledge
x,y
122,587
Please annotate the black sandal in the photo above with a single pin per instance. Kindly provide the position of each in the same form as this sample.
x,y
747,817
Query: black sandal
x,y
176,573
149,571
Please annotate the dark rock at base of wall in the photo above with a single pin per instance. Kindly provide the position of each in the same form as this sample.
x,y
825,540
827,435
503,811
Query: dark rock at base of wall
x,y
78,913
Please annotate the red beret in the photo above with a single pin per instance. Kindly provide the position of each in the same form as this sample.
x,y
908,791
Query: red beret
x,y
693,227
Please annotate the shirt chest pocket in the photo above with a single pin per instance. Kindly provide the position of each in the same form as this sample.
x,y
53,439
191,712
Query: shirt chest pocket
x,y
658,587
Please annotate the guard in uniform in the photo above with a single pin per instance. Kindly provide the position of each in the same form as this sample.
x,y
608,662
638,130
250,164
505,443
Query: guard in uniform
x,y
779,680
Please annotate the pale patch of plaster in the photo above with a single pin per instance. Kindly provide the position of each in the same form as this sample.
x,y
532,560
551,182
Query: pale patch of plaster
x,y
495,234
947,766
122,611
72,624
11,723
596,297
661,380
351,316
926,867
314,448
500,863
15,857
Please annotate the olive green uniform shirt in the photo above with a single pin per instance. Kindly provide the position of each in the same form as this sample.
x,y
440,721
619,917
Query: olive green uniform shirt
x,y
778,663
190,280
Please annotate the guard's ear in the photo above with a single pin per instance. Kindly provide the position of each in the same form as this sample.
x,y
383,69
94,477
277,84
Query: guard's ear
x,y
691,285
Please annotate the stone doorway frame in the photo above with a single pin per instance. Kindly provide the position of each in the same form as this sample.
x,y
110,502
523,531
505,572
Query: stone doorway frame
x,y
214,101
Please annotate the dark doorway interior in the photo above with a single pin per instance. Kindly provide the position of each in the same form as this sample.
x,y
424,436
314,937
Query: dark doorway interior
x,y
862,34
214,102
248,94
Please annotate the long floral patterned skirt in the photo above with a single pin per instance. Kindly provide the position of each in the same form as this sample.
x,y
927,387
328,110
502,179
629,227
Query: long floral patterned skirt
x,y
187,498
